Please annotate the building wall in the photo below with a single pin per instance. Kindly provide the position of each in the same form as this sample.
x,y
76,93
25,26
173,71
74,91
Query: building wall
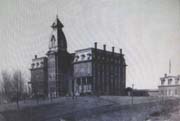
x,y
64,72
39,76
52,77
153,93
100,71
109,72
169,90
82,74
89,70
59,61
170,86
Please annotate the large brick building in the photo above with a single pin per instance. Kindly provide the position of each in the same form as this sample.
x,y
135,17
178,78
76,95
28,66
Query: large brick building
x,y
39,77
87,71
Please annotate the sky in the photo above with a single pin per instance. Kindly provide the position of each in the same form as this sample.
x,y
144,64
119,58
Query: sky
x,y
148,31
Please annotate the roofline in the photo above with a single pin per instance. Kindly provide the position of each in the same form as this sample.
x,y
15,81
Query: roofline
x,y
98,49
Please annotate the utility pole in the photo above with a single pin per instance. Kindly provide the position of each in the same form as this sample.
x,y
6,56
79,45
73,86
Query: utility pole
x,y
132,94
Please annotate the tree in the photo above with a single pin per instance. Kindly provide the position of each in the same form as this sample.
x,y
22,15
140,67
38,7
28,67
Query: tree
x,y
18,86
13,86
7,87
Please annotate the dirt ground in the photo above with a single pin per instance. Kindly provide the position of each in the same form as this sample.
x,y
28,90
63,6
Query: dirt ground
x,y
171,113
97,109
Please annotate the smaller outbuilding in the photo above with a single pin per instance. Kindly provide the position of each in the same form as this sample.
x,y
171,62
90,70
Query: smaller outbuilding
x,y
170,86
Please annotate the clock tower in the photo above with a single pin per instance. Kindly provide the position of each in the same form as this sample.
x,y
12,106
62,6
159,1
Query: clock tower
x,y
59,61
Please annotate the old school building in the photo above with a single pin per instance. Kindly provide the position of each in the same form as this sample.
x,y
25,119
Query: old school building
x,y
86,71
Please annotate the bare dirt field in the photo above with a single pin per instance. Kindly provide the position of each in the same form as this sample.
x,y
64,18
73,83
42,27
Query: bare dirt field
x,y
104,108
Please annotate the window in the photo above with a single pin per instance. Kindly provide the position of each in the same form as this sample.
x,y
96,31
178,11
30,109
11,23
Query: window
x,y
37,64
82,56
89,56
175,91
165,91
162,82
78,81
162,92
169,92
177,81
32,65
42,63
169,81
76,58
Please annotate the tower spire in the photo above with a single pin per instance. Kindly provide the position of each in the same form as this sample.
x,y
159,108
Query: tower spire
x,y
57,39
169,66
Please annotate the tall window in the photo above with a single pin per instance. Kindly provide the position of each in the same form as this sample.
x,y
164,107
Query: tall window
x,y
177,81
175,91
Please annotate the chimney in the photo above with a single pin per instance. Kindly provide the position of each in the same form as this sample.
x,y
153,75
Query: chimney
x,y
113,49
165,75
35,56
104,47
95,45
120,51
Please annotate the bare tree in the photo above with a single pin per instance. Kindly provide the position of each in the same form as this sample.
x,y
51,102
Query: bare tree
x,y
18,85
12,86
7,87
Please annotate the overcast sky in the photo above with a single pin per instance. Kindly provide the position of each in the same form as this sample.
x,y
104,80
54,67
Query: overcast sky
x,y
148,31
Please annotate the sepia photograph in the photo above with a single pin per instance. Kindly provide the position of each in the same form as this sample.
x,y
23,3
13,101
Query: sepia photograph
x,y
89,60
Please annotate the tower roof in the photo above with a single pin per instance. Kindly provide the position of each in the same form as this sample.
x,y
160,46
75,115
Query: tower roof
x,y
58,39
57,23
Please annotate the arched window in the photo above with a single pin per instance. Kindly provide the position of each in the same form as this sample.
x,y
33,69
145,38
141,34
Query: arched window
x,y
53,41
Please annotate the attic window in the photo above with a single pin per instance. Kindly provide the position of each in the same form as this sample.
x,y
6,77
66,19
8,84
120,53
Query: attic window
x,y
169,81
37,64
177,82
89,55
162,82
177,78
32,65
76,58
42,63
82,56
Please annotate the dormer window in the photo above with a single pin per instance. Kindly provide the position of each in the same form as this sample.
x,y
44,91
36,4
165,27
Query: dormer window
x,y
169,81
76,58
177,81
82,56
37,64
42,63
89,56
162,81
32,65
